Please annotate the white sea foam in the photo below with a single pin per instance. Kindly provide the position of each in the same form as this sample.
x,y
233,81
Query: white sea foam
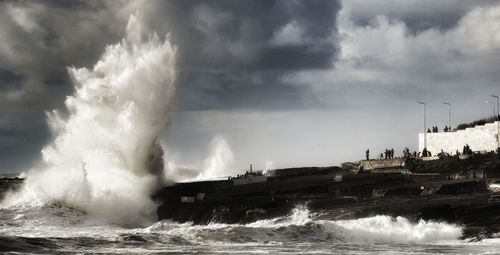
x,y
105,147
300,215
381,228
299,232
495,187
385,229
301,226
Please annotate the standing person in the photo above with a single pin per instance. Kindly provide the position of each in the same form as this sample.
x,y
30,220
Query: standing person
x,y
367,152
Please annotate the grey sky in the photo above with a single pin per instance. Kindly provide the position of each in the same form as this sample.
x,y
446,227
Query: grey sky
x,y
292,82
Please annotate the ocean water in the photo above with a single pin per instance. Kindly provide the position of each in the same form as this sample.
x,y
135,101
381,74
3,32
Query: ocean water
x,y
54,228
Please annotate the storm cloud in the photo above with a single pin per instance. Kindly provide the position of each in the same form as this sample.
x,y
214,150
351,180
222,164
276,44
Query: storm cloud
x,y
232,55
293,82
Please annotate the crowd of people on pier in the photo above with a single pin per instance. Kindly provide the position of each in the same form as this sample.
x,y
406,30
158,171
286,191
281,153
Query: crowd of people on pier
x,y
389,153
246,174
436,129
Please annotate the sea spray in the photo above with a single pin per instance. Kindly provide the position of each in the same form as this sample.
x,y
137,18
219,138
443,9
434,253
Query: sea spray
x,y
268,166
219,160
105,156
217,164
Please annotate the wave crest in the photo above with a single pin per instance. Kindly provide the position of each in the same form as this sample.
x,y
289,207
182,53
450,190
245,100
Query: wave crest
x,y
105,156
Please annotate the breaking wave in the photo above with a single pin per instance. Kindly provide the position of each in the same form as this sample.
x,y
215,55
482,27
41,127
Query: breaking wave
x,y
385,229
56,220
105,157
300,226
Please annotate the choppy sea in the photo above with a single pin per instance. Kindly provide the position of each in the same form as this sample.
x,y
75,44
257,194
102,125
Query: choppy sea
x,y
55,229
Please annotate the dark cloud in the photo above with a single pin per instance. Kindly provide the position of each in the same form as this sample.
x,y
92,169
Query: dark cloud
x,y
239,34
240,42
22,135
231,54
10,80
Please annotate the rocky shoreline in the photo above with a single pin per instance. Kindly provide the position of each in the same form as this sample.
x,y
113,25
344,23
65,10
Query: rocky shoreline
x,y
449,189
463,191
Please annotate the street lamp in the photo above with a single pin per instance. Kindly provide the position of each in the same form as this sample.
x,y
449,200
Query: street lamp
x,y
425,124
498,106
494,107
497,117
449,114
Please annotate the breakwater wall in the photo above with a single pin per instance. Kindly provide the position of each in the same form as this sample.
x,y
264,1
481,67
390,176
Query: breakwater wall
x,y
479,138
374,164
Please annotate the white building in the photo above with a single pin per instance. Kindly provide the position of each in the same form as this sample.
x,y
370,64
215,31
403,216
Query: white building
x,y
479,138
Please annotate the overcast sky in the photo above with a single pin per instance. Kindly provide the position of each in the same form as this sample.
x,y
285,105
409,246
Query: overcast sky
x,y
296,83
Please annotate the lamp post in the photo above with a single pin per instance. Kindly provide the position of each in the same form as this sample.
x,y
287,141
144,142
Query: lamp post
x,y
425,124
498,106
497,117
449,114
494,107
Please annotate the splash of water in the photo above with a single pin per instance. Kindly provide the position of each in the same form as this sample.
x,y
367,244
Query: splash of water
x,y
219,160
300,215
105,156
269,165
